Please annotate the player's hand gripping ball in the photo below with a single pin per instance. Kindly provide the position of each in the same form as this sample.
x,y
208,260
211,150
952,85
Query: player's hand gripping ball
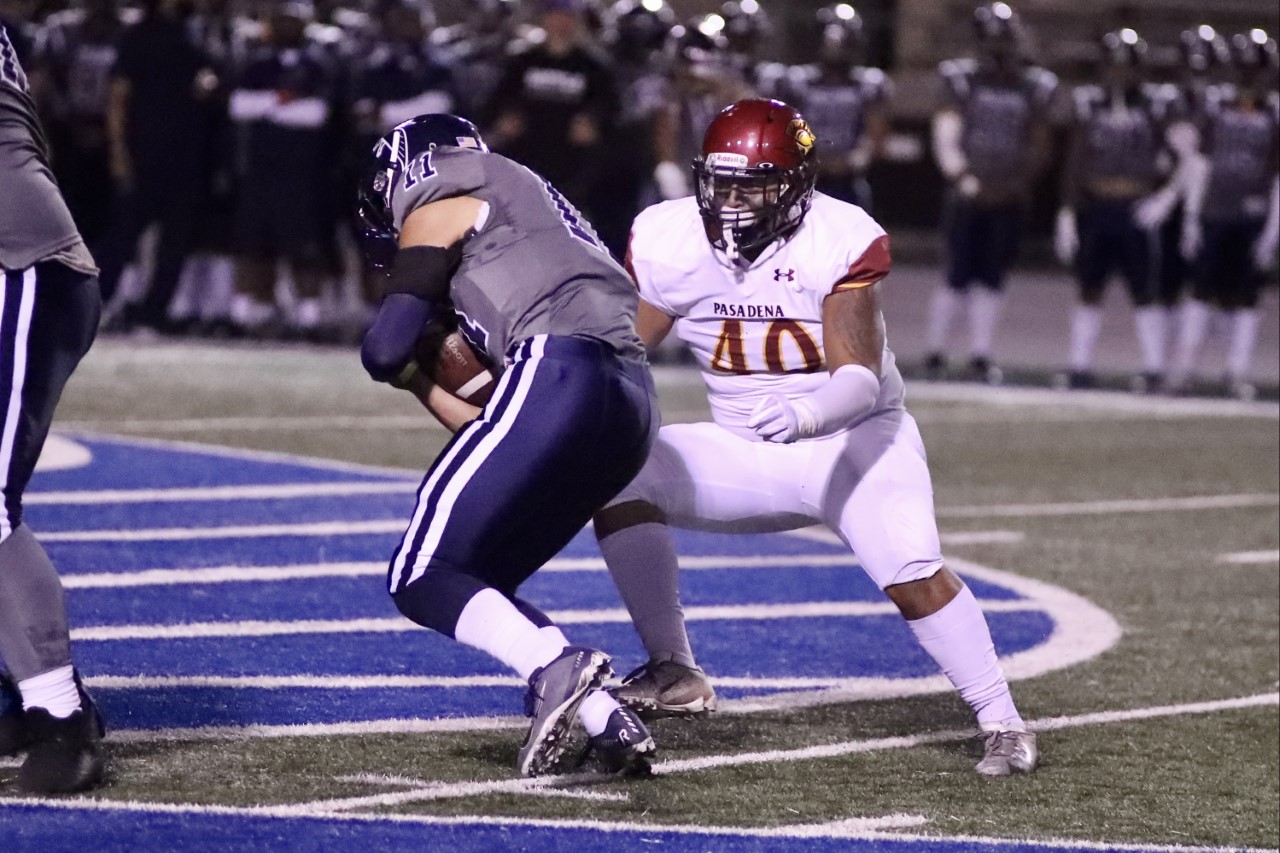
x,y
448,359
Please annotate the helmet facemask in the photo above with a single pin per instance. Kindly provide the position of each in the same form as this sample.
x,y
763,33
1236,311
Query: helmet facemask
x,y
747,208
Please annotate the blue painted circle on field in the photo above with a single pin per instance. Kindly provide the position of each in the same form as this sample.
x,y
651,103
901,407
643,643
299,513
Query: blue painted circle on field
x,y
120,622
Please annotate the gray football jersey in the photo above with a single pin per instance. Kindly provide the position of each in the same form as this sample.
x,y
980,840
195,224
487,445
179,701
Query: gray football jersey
x,y
1123,139
35,223
533,266
998,115
1240,143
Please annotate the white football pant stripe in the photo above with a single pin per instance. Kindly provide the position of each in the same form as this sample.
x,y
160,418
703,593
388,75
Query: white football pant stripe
x,y
476,455
13,414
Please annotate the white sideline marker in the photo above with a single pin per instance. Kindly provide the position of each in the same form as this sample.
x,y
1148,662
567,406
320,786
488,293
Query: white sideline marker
x,y
1244,558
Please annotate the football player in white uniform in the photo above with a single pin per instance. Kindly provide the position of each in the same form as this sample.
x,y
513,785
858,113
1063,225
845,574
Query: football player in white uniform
x,y
775,289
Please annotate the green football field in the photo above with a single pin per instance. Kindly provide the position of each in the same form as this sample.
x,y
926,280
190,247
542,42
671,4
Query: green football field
x,y
1163,514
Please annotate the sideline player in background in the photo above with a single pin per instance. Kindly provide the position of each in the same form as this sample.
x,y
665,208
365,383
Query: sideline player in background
x,y
1231,226
49,310
991,142
776,291
569,424
1117,145
847,103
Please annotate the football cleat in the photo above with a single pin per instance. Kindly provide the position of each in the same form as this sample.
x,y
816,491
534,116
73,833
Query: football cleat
x,y
625,747
935,366
1005,753
65,755
14,734
555,693
984,371
664,688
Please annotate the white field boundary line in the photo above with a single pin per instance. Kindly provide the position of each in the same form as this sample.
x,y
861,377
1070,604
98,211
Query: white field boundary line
x,y
618,615
451,790
280,491
1081,631
303,571
1244,558
390,526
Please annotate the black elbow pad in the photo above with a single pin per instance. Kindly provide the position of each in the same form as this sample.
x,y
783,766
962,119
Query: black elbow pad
x,y
423,271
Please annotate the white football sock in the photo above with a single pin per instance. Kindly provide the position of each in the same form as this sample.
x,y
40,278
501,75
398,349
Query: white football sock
x,y
1192,326
492,624
1244,335
595,710
55,691
958,639
1150,324
984,313
1085,325
941,309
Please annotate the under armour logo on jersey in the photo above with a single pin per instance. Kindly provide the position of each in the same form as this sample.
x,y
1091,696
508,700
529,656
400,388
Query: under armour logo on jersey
x,y
784,275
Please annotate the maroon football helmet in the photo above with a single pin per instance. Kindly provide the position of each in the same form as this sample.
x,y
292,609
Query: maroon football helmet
x,y
755,174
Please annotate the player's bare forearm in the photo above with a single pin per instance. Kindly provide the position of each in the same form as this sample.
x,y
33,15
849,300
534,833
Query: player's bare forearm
x,y
853,328
652,325
452,412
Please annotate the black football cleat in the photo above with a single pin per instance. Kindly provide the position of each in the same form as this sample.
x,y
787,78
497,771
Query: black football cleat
x,y
14,734
624,748
65,754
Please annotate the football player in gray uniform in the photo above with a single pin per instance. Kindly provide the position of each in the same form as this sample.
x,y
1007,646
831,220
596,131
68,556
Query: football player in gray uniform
x,y
496,248
1118,145
991,142
49,310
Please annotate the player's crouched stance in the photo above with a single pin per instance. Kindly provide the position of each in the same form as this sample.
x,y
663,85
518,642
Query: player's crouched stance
x,y
569,424
775,289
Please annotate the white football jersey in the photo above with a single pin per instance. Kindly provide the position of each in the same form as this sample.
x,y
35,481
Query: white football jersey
x,y
758,331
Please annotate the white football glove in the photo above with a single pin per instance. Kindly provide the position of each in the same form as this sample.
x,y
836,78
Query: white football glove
x,y
848,395
969,186
1066,238
774,419
1151,212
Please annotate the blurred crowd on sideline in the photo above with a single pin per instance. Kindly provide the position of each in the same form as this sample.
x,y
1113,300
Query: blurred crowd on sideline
x,y
209,150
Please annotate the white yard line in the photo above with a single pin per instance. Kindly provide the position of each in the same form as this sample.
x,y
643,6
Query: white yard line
x,y
868,828
439,791
1198,502
275,491
383,780
819,533
1038,399
263,423
396,525
392,682
1251,557
271,628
